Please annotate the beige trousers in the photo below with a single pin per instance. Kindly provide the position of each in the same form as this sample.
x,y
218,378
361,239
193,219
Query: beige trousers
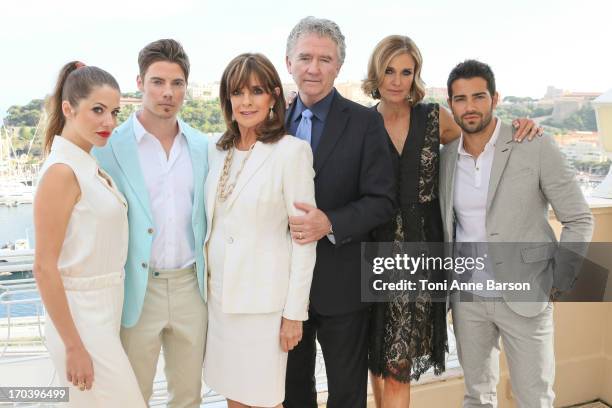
x,y
174,318
528,345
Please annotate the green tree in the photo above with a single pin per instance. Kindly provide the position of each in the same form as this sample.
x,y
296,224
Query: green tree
x,y
203,115
518,99
541,111
136,94
25,134
508,112
125,113
26,115
582,120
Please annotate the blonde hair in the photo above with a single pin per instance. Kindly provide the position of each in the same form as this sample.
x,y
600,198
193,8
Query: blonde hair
x,y
387,49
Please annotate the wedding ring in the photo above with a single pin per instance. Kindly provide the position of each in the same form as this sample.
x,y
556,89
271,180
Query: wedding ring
x,y
300,236
81,385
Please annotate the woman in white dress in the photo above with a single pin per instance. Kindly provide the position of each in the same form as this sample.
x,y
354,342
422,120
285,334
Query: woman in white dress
x,y
259,279
81,244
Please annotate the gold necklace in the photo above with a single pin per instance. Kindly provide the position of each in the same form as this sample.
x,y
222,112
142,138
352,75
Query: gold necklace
x,y
227,165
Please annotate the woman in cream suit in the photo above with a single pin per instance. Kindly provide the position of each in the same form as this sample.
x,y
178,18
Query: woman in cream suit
x,y
81,244
259,279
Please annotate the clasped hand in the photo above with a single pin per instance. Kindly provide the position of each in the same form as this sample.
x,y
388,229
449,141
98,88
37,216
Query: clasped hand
x,y
309,227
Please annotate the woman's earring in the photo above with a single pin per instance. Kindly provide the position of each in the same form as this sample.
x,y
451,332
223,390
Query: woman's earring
x,y
271,114
376,94
233,118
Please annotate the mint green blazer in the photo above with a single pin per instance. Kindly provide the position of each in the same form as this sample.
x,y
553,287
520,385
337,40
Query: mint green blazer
x,y
119,158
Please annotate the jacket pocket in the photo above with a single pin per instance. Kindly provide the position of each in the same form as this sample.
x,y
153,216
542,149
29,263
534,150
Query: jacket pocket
x,y
538,253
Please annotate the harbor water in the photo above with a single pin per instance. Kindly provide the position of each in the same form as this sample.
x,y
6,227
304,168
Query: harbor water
x,y
16,223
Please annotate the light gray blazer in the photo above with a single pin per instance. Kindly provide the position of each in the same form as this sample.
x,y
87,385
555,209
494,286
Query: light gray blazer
x,y
525,178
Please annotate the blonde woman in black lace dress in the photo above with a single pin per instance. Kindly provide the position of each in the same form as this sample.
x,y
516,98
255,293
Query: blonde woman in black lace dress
x,y
408,334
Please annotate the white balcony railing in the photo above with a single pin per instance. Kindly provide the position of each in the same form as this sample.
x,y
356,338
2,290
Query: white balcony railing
x,y
24,359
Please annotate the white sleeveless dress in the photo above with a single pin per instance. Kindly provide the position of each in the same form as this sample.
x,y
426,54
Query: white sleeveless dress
x,y
91,265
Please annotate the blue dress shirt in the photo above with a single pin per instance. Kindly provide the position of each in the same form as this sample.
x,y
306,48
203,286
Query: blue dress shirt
x,y
319,115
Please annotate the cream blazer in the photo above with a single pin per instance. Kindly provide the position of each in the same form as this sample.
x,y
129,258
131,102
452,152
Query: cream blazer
x,y
264,269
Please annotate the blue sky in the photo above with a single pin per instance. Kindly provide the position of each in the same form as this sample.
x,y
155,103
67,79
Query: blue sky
x,y
529,44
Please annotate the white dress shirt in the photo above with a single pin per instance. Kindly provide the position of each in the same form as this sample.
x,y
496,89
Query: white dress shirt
x,y
169,182
472,176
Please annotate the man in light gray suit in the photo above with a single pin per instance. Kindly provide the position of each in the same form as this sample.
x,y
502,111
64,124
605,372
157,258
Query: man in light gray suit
x,y
494,190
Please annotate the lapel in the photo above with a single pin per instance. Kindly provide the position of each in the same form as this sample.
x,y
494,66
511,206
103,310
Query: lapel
x,y
215,161
198,164
260,153
288,115
449,187
126,151
503,148
109,184
332,132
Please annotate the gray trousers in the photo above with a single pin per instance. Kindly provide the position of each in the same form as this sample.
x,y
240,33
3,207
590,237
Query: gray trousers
x,y
528,345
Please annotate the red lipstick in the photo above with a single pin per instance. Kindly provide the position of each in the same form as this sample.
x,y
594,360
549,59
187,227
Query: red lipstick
x,y
103,134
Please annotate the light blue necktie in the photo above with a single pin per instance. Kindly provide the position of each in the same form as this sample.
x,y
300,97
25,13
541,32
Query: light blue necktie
x,y
304,130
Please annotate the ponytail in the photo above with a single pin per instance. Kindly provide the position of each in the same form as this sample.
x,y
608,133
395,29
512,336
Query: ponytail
x,y
74,83
56,119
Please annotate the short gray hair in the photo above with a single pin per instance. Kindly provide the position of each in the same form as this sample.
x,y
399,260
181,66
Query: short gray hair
x,y
320,26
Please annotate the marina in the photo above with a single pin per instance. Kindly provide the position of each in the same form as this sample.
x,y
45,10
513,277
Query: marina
x,y
15,193
18,169
24,359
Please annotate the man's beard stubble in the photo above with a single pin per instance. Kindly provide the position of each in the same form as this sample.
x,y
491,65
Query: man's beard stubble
x,y
484,122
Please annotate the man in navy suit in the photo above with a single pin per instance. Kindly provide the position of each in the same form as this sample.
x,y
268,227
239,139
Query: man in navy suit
x,y
354,194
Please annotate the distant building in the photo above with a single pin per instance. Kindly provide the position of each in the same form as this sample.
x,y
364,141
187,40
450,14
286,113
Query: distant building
x,y
565,103
564,107
603,114
352,90
348,89
124,101
603,108
577,136
438,93
581,146
552,93
206,92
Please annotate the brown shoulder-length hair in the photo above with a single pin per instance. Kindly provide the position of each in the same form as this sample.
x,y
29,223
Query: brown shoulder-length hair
x,y
387,49
236,76
75,82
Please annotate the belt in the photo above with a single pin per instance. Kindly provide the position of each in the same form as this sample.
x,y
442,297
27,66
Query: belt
x,y
171,273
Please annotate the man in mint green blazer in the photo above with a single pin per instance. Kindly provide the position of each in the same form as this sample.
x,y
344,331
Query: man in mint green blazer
x,y
160,164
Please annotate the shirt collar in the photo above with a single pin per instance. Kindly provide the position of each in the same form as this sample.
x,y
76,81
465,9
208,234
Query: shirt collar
x,y
490,144
140,131
79,156
319,109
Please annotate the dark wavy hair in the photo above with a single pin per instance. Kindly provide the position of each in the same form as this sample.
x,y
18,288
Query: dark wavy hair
x,y
236,76
471,69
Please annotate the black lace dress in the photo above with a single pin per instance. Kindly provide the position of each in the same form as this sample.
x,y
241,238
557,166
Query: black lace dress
x,y
408,334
